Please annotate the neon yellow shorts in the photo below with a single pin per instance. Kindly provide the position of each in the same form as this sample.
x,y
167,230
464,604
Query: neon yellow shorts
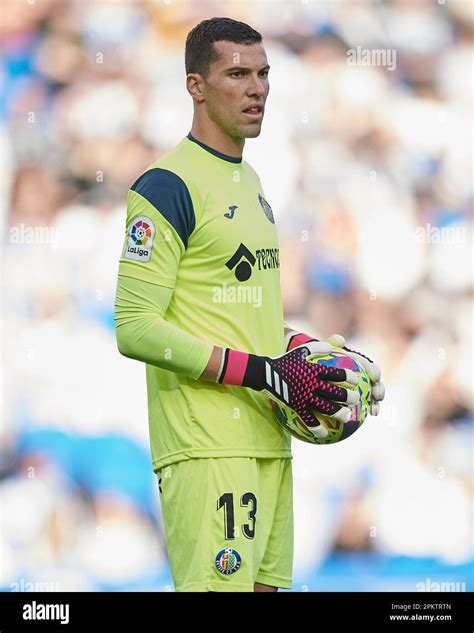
x,y
228,522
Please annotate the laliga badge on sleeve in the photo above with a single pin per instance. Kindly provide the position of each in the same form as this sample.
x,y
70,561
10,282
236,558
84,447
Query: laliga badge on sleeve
x,y
140,239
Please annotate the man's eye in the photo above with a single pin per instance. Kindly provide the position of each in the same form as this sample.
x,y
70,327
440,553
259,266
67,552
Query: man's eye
x,y
237,73
264,73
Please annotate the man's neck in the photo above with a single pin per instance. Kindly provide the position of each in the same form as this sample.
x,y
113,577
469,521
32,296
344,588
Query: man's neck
x,y
217,139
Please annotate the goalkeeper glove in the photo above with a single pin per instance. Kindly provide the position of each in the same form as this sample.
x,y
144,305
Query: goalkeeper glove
x,y
338,342
293,381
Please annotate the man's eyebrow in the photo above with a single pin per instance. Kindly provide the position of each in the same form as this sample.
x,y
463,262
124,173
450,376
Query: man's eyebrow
x,y
234,68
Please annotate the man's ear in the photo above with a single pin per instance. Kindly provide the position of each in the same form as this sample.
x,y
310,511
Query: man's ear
x,y
195,86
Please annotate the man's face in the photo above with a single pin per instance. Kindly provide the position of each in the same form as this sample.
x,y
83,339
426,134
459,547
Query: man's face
x,y
236,89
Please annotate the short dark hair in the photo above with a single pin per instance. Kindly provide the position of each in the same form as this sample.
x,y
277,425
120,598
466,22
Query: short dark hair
x,y
200,51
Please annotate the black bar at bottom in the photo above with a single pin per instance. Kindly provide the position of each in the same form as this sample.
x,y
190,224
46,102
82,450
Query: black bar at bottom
x,y
240,612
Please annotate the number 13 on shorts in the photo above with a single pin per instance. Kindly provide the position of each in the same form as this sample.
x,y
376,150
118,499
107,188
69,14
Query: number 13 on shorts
x,y
226,504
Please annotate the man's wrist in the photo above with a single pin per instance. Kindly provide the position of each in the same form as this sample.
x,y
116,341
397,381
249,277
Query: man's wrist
x,y
242,369
214,365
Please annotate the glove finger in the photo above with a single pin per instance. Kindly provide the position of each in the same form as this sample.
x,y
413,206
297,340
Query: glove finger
x,y
315,348
372,369
336,374
378,391
334,392
336,340
313,425
337,411
374,408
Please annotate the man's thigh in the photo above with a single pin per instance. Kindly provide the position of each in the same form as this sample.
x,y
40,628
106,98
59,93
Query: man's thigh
x,y
219,519
276,483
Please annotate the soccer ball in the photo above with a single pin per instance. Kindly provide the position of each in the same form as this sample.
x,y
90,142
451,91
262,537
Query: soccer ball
x,y
330,430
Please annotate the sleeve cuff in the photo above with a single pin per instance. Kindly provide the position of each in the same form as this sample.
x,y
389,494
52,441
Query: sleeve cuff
x,y
203,360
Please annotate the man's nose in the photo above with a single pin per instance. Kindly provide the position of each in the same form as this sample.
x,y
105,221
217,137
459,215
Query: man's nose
x,y
255,86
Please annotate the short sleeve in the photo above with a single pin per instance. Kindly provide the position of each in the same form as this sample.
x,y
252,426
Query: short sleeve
x,y
160,219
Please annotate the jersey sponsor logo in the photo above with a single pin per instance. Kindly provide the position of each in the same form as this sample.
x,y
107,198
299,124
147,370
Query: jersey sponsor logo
x,y
266,208
228,561
243,260
243,269
140,239
231,212
268,258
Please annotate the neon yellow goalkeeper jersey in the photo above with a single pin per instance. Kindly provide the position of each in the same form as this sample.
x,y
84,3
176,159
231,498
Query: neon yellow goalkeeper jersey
x,y
198,222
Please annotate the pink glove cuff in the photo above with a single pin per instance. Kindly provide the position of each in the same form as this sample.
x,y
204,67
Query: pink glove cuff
x,y
293,339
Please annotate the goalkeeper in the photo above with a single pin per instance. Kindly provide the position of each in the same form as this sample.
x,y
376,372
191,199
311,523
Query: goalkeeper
x,y
200,235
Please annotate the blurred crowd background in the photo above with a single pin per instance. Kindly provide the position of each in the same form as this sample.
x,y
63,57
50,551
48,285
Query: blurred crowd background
x,y
368,169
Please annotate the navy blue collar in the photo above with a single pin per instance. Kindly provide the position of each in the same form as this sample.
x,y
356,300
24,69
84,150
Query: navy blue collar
x,y
230,159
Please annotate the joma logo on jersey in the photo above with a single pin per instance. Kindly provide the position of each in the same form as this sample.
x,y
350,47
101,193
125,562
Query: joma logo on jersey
x,y
243,260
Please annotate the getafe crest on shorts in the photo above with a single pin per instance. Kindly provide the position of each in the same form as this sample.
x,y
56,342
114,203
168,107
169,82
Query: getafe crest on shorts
x,y
267,208
228,561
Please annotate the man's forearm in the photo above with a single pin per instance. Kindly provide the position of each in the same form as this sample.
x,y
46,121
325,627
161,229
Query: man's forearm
x,y
143,333
213,367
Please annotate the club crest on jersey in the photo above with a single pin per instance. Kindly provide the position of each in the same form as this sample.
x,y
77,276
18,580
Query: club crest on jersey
x,y
228,561
267,208
140,239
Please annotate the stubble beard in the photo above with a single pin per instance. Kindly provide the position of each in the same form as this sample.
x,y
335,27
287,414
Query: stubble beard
x,y
237,130
245,131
